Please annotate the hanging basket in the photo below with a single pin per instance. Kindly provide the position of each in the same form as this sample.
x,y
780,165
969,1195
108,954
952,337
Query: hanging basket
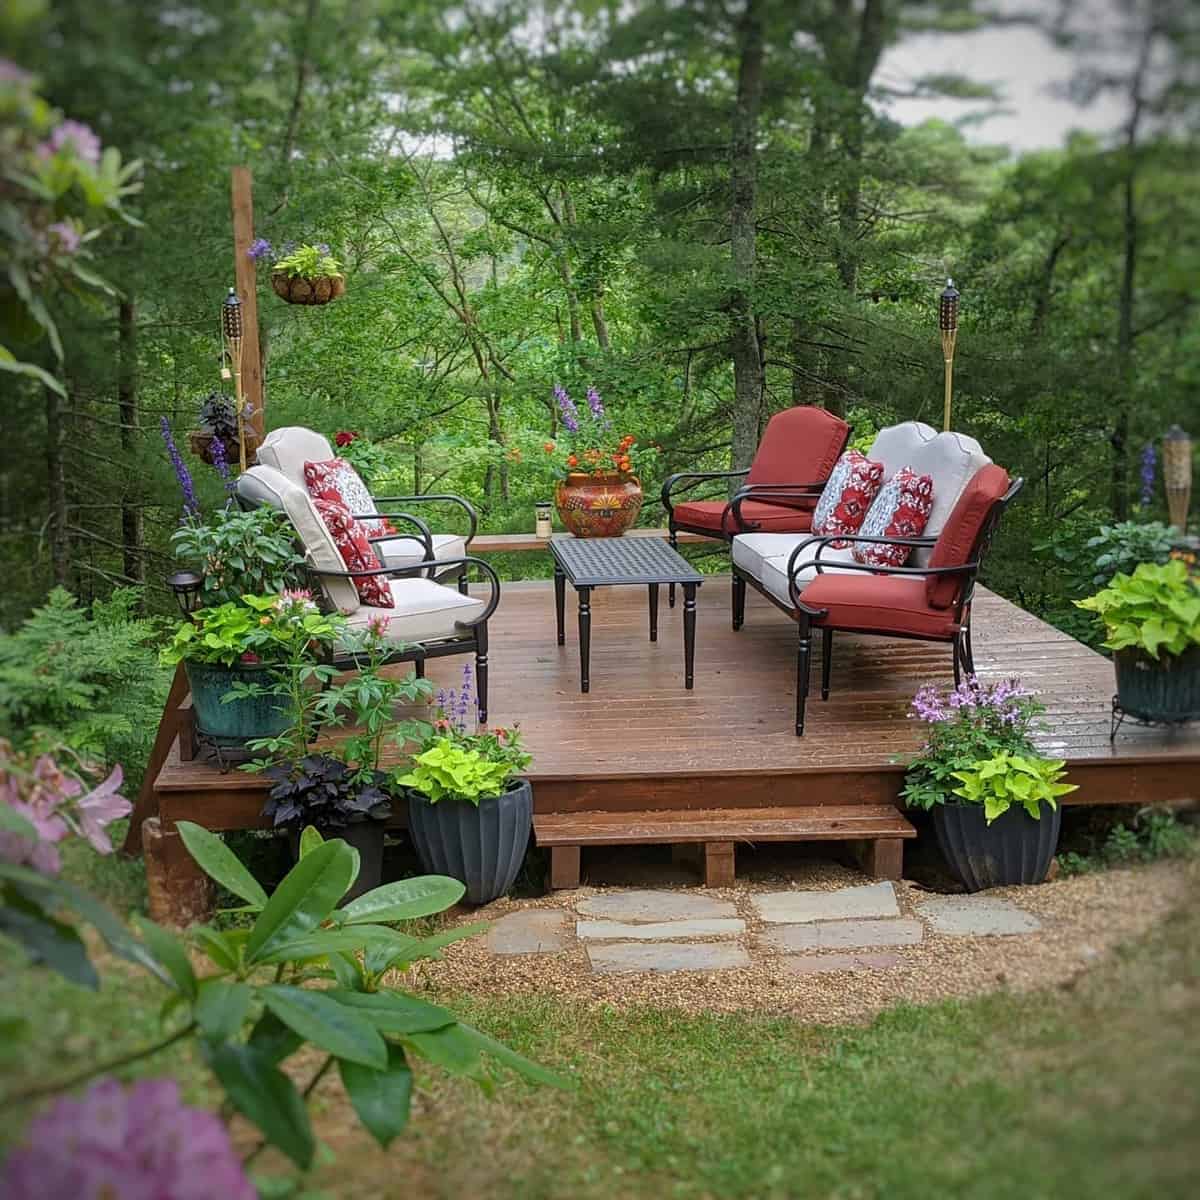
x,y
295,289
201,444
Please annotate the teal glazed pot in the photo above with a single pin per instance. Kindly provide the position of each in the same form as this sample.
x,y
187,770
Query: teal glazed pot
x,y
242,719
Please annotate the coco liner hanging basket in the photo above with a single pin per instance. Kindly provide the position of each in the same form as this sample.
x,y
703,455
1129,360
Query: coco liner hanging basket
x,y
295,289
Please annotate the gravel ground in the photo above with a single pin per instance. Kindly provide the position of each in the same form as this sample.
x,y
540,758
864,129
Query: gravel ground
x,y
1083,918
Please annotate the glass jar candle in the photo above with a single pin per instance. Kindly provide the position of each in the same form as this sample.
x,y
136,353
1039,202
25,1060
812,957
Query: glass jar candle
x,y
543,526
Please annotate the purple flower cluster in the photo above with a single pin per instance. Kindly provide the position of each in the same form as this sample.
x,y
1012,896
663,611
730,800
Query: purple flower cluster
x,y
66,237
1149,465
566,406
138,1142
221,463
1001,701
191,506
80,138
259,248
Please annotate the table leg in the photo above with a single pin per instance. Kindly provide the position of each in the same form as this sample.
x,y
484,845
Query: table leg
x,y
560,590
585,636
654,612
689,633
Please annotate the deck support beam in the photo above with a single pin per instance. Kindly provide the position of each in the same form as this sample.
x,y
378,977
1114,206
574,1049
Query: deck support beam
x,y
881,858
564,867
180,893
718,864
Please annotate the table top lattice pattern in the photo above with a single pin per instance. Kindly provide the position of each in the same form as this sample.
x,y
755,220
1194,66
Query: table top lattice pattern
x,y
593,562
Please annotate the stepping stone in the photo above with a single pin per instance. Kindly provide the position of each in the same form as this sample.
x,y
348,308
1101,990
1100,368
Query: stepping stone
x,y
792,908
646,905
662,930
979,916
844,935
534,931
816,964
618,957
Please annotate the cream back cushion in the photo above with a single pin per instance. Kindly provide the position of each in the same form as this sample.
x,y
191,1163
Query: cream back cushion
x,y
289,448
895,445
265,485
952,459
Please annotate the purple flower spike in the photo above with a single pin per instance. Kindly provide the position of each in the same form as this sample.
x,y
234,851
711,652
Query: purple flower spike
x,y
1149,465
570,414
259,248
191,507
221,463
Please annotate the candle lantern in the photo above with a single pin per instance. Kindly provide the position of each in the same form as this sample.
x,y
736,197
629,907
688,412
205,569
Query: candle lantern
x,y
1177,475
544,525
186,586
231,329
948,324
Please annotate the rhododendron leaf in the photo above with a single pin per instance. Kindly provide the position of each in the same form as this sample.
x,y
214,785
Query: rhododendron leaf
x,y
380,1098
220,863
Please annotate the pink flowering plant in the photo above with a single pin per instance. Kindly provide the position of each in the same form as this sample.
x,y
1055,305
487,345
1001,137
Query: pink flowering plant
x,y
61,188
967,725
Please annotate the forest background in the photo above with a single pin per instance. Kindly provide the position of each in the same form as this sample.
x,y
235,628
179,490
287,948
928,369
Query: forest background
x,y
699,207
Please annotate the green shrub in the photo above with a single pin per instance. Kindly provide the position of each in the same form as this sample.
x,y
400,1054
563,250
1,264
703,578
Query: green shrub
x,y
1151,835
88,678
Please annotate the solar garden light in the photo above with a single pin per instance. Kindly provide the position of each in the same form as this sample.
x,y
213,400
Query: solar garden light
x,y
544,525
1177,475
187,586
948,323
231,328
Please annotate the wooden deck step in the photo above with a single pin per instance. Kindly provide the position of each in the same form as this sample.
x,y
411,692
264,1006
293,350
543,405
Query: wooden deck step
x,y
878,828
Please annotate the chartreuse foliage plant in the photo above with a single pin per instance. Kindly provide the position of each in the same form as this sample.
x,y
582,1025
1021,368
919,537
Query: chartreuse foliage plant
x,y
1155,610
1007,779
307,972
309,262
448,770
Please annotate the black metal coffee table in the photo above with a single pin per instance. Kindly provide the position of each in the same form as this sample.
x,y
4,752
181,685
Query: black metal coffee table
x,y
611,562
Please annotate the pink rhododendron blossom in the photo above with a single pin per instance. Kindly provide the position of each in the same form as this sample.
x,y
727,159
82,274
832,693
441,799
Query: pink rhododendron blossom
x,y
78,137
137,1143
66,237
101,807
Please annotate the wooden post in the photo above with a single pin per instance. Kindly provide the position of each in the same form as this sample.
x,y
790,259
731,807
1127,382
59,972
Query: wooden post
x,y
246,281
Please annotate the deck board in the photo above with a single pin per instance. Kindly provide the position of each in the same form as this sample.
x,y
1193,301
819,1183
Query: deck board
x,y
639,740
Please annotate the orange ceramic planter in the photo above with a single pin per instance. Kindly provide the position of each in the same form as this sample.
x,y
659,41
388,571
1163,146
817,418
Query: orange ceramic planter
x,y
604,505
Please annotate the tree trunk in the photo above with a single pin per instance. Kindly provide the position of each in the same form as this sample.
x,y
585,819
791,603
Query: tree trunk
x,y
56,471
132,532
743,334
599,320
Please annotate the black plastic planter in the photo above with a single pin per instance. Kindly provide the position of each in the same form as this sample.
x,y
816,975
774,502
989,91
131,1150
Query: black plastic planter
x,y
1014,848
367,838
482,847
1162,689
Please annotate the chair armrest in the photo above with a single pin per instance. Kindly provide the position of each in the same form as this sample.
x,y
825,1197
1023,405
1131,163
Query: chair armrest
x,y
670,483
773,493
401,572
464,504
423,536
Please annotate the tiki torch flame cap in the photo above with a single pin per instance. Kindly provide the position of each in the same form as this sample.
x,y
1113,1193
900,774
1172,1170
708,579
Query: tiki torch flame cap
x,y
231,316
1176,434
948,308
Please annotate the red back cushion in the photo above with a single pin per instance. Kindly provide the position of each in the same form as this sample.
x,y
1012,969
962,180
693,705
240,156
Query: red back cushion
x,y
958,535
799,445
357,553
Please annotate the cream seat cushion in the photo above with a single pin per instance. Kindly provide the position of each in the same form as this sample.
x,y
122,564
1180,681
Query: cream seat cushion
x,y
422,611
401,552
765,557
286,450
264,485
774,575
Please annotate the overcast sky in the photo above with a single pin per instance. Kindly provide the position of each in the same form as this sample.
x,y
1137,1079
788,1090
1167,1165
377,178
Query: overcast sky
x,y
1023,62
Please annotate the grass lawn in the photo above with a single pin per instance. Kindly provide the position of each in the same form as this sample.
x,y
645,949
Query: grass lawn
x,y
1093,1089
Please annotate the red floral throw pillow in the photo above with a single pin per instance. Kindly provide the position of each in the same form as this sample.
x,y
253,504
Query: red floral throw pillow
x,y
357,553
901,510
338,482
853,483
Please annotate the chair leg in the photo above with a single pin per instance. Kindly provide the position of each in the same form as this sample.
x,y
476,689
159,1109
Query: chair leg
x,y
968,651
956,646
826,661
481,671
803,657
462,581
673,542
739,602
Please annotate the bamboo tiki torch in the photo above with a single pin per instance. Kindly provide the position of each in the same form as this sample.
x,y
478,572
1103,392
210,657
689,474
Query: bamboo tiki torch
x,y
231,326
948,321
1177,475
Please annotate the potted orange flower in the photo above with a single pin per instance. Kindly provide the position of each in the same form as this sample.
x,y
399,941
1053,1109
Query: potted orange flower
x,y
598,493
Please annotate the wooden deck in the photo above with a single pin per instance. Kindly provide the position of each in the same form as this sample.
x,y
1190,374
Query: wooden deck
x,y
639,741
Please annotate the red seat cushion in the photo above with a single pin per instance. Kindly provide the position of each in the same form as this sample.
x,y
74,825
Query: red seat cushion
x,y
717,516
962,527
878,604
799,445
